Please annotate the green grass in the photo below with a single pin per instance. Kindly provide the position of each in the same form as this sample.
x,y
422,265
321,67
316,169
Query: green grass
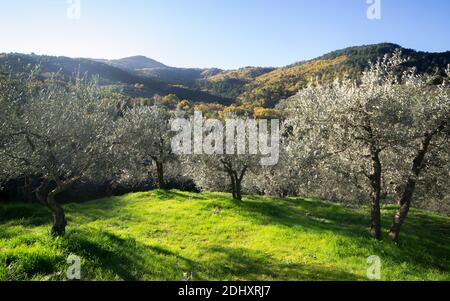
x,y
173,235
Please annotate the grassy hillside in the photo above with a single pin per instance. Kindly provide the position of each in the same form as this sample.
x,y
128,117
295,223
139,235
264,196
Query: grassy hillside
x,y
173,235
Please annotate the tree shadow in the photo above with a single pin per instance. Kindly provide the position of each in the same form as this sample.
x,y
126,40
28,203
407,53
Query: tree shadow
x,y
241,263
125,258
25,214
424,240
310,216
176,195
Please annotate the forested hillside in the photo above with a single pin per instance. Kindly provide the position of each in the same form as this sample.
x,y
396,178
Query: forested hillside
x,y
265,87
125,82
268,89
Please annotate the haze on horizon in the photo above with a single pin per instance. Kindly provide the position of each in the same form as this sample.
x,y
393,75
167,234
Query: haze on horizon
x,y
226,34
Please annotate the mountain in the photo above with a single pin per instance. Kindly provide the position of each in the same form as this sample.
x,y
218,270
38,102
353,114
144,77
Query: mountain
x,y
147,67
129,83
181,76
265,87
134,63
139,76
268,88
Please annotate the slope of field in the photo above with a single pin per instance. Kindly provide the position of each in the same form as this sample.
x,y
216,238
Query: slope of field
x,y
173,235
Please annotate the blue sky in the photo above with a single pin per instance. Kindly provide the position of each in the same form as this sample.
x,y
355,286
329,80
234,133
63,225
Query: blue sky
x,y
218,33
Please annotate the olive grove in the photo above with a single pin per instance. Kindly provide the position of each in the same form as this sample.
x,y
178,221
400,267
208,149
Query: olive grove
x,y
383,137
143,143
229,153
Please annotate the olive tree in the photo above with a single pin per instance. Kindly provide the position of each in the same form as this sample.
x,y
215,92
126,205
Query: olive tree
x,y
353,129
282,179
12,95
65,132
225,153
335,128
422,145
219,173
144,139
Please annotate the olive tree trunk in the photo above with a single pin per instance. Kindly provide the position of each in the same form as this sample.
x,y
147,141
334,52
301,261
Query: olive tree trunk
x,y
233,185
239,188
375,182
407,193
236,179
49,199
374,177
59,217
160,175
236,185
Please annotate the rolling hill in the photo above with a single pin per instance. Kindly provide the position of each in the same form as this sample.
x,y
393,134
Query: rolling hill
x,y
129,83
267,86
268,89
134,63
146,67
139,76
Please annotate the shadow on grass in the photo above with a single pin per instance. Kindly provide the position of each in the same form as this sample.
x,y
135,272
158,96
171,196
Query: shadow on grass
x,y
124,258
240,264
25,214
310,216
425,240
176,195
